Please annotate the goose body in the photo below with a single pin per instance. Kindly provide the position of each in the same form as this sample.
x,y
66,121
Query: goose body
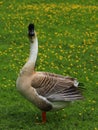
x,y
45,90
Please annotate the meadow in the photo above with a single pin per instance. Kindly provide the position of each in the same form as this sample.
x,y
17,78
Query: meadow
x,y
68,45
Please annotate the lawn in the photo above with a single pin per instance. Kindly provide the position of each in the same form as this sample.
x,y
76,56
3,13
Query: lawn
x,y
68,45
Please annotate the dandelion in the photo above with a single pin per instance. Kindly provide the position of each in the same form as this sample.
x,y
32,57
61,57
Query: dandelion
x,y
92,109
80,114
72,46
1,2
93,101
87,78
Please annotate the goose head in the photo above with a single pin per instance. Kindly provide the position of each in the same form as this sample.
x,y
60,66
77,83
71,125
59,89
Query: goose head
x,y
31,31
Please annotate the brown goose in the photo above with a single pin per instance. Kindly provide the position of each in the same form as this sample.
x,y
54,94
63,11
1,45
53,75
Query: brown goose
x,y
45,90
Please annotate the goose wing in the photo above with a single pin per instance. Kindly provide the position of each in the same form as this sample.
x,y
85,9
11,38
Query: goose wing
x,y
56,87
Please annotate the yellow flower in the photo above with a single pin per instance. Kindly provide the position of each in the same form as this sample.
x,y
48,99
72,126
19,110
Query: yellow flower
x,y
92,109
80,114
1,3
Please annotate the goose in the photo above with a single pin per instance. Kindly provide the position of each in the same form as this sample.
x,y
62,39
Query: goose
x,y
47,91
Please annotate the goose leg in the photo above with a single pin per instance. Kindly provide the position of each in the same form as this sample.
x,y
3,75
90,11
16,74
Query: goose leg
x,y
43,117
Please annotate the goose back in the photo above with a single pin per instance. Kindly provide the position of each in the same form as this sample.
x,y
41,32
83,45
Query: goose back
x,y
56,87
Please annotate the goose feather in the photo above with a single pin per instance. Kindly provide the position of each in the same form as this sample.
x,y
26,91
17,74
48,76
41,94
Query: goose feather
x,y
55,87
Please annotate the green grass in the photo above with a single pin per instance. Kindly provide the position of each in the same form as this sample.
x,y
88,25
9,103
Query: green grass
x,y
68,45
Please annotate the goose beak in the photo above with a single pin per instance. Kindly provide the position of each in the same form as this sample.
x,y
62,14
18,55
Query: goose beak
x,y
31,33
31,30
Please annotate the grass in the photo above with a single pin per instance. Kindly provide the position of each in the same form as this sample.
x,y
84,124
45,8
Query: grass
x,y
68,36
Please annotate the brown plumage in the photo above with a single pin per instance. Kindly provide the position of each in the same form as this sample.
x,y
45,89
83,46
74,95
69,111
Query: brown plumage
x,y
50,85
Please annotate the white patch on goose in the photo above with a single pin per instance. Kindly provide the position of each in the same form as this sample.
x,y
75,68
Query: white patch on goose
x,y
76,83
